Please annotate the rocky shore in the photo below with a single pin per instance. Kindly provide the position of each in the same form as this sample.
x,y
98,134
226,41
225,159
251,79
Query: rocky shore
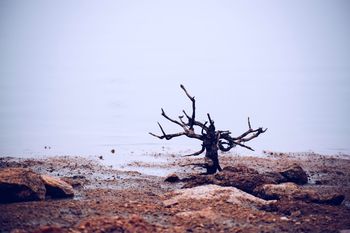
x,y
278,192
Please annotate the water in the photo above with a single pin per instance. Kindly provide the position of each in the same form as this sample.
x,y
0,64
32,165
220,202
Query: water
x,y
95,80
301,115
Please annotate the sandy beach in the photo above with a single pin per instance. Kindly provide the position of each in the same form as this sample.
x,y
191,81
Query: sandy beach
x,y
110,200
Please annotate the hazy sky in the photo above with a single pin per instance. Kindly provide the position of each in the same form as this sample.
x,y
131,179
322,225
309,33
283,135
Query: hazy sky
x,y
77,74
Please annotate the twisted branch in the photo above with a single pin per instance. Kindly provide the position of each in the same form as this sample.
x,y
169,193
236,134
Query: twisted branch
x,y
245,137
222,137
196,153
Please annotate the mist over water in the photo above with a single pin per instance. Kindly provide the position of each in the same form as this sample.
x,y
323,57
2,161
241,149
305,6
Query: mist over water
x,y
86,77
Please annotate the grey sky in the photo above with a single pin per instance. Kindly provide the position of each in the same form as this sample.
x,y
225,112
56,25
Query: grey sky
x,y
91,73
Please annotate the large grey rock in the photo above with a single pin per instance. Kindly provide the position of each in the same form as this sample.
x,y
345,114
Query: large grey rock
x,y
20,184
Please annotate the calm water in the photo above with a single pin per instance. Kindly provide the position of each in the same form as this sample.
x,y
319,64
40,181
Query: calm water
x,y
94,115
85,77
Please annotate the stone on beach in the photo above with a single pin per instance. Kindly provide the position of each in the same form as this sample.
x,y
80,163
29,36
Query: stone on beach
x,y
242,177
20,184
291,191
212,192
23,184
246,181
295,174
172,178
57,188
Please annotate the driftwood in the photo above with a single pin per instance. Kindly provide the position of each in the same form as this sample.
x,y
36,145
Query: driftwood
x,y
212,139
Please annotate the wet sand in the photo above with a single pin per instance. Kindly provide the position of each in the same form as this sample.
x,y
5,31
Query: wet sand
x,y
114,200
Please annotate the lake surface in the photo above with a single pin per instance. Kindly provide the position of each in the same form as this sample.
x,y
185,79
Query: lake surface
x,y
92,115
83,78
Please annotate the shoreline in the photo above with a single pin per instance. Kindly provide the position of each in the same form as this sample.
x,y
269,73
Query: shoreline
x,y
106,196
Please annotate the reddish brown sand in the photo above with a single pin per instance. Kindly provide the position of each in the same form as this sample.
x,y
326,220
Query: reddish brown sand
x,y
108,200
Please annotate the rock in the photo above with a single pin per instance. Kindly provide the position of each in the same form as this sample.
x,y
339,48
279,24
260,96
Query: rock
x,y
244,181
273,178
211,192
291,191
241,169
20,184
328,199
172,178
197,180
133,224
57,188
295,174
242,177
277,192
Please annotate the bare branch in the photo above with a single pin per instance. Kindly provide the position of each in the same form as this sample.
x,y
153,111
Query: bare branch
x,y
204,127
242,145
172,120
191,119
196,153
258,131
188,133
255,134
180,118
249,125
197,123
188,95
224,131
188,117
210,120
243,138
167,136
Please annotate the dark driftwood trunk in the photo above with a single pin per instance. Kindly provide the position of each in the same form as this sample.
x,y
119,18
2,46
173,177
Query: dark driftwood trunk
x,y
212,140
210,143
212,161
